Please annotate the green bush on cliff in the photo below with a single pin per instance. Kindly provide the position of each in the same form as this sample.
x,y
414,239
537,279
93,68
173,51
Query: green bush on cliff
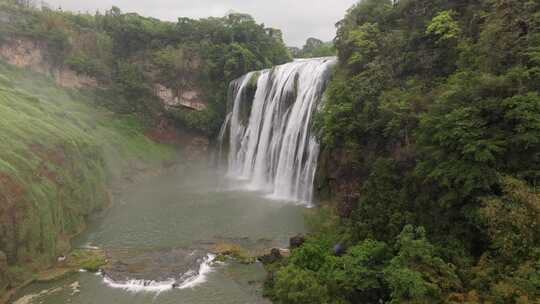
x,y
87,260
87,66
206,120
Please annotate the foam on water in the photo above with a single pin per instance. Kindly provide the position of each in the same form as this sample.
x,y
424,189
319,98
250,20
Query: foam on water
x,y
194,279
189,279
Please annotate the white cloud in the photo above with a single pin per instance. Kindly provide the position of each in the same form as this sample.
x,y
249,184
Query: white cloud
x,y
299,19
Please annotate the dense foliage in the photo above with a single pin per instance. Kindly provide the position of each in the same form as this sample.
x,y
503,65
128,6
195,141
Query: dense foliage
x,y
432,125
131,53
314,48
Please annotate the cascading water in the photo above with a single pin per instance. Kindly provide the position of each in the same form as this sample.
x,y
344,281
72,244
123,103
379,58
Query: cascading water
x,y
268,131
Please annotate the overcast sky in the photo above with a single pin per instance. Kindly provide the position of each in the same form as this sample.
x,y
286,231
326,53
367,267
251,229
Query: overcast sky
x,y
299,19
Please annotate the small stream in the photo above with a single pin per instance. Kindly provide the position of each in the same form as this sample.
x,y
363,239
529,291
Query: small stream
x,y
159,235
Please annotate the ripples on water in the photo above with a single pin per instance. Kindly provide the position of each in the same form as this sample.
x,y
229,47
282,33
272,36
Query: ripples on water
x,y
161,232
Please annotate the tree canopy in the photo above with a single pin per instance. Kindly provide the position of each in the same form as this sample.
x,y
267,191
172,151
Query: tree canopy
x,y
208,53
430,136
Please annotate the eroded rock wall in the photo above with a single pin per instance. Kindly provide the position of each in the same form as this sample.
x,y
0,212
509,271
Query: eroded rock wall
x,y
30,53
189,98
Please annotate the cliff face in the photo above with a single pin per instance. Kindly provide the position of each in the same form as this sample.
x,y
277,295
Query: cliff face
x,y
24,53
337,180
28,53
171,99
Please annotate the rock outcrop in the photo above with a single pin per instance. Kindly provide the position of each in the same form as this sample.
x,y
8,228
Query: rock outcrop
x,y
25,53
195,146
171,100
275,255
297,241
68,78
30,53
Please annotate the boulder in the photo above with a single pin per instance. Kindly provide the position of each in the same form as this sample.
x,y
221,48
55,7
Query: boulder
x,y
297,241
272,257
285,252
339,249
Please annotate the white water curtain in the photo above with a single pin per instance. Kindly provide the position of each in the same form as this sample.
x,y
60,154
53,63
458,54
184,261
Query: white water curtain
x,y
274,150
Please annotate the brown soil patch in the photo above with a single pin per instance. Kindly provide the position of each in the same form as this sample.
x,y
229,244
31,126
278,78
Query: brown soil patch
x,y
56,156
10,191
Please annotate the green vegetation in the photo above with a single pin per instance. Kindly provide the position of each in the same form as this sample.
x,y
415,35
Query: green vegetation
x,y
60,153
431,129
227,251
61,149
129,53
89,260
314,48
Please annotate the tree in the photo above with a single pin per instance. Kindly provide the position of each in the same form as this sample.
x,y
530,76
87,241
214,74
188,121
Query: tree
x,y
444,27
314,48
176,65
311,44
381,212
416,274
130,82
364,45
513,220
297,286
361,275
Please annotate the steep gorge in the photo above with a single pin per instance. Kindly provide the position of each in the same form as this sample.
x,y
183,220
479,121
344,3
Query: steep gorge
x,y
87,106
422,148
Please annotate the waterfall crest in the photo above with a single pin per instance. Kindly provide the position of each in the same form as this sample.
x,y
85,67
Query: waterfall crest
x,y
268,131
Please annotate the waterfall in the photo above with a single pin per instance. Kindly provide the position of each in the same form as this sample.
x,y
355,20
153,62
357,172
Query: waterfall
x,y
268,130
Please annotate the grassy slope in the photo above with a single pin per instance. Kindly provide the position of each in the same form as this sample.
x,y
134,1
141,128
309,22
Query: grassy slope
x,y
58,154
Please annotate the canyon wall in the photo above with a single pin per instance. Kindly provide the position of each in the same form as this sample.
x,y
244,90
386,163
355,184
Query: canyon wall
x,y
30,53
173,99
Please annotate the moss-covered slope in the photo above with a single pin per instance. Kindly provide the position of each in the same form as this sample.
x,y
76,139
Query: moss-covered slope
x,y
58,154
